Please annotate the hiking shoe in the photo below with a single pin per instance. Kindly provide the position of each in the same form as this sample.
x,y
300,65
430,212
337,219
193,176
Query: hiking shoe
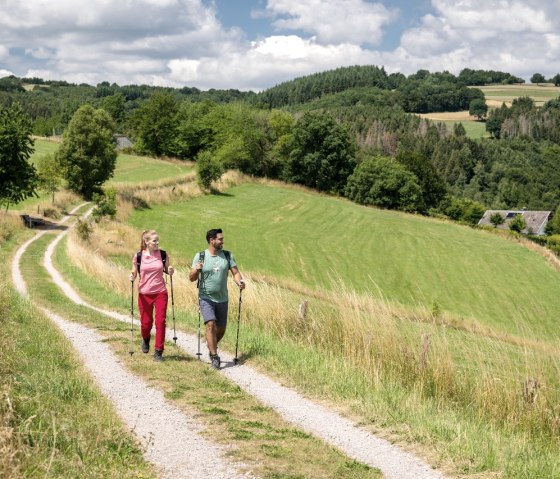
x,y
145,345
215,360
158,355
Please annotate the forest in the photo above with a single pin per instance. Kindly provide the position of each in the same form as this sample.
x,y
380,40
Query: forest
x,y
351,131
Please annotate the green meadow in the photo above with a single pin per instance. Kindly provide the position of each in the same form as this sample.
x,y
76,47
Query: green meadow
x,y
322,241
138,169
474,129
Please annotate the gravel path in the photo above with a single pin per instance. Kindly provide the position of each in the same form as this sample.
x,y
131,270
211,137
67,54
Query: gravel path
x,y
170,439
317,420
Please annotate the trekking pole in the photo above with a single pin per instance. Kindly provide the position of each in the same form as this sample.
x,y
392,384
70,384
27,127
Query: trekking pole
x,y
199,353
236,360
130,350
173,310
199,285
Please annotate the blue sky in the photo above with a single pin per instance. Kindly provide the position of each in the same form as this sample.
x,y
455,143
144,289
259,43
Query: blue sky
x,y
255,44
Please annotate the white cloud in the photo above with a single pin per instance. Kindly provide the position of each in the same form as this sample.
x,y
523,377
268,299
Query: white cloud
x,y
268,62
181,42
508,35
333,21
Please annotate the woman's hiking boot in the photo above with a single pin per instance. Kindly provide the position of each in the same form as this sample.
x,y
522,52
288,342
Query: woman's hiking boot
x,y
145,345
158,355
215,361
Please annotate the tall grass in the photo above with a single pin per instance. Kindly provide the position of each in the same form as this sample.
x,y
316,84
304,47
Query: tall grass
x,y
9,445
55,423
9,225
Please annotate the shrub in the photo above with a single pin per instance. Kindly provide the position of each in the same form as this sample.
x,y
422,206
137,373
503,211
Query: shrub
x,y
51,213
465,210
106,205
208,168
84,229
517,224
553,243
497,219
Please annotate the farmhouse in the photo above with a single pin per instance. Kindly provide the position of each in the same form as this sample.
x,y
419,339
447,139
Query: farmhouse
x,y
536,220
123,142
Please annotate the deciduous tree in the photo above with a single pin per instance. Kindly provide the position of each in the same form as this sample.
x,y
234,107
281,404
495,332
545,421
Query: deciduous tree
x,y
49,174
382,181
322,154
87,153
18,178
478,108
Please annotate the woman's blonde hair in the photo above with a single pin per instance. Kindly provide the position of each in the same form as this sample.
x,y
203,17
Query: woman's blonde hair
x,y
146,234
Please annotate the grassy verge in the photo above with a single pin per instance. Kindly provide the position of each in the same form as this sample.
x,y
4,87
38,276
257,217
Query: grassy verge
x,y
254,434
464,408
55,422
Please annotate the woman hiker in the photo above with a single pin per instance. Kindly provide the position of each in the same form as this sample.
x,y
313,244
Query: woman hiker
x,y
151,262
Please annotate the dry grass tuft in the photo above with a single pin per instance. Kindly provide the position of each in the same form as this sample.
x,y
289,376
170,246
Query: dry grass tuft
x,y
9,224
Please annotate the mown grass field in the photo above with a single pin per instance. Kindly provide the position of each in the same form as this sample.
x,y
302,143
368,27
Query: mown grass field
x,y
317,241
497,94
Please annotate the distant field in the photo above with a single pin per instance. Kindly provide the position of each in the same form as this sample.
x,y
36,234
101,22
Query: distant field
x,y
495,96
289,233
498,94
475,129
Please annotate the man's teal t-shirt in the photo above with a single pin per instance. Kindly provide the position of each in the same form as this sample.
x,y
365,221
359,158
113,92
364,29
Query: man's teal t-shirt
x,y
213,283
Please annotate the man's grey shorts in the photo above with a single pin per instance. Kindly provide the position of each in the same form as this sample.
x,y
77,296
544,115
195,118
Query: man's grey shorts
x,y
212,311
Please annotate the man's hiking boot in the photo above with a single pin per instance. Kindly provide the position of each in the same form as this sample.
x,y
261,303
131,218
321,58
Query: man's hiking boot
x,y
215,360
145,345
158,355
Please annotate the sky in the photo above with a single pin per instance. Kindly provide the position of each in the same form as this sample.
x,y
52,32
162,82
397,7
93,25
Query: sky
x,y
256,44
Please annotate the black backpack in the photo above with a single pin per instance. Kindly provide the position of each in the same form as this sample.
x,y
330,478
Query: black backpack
x,y
163,259
227,254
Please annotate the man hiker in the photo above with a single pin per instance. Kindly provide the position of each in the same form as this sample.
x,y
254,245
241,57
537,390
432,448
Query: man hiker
x,y
210,268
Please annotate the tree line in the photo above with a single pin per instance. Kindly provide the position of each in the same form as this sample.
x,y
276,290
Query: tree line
x,y
360,143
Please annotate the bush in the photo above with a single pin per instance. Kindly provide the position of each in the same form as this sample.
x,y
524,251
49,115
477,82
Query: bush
x,y
208,168
84,229
465,210
106,205
517,224
51,213
553,243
